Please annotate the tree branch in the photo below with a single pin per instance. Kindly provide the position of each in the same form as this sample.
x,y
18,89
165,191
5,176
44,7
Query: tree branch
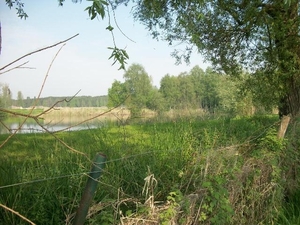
x,y
18,67
18,214
39,50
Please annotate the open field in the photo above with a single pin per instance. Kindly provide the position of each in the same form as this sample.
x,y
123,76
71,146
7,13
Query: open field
x,y
188,171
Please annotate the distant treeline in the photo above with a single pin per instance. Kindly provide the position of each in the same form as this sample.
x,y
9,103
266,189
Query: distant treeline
x,y
80,101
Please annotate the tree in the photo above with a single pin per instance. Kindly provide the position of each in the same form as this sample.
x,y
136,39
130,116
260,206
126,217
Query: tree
x,y
259,36
117,94
187,97
156,101
138,86
6,96
20,99
169,88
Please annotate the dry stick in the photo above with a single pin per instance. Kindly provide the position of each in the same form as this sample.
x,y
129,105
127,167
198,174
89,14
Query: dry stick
x,y
3,124
18,214
63,100
18,67
39,50
17,113
89,119
39,95
36,116
61,141
84,121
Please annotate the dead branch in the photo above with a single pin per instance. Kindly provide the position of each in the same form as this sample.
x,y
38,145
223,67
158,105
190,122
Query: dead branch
x,y
21,66
39,50
61,141
39,95
17,113
63,100
89,119
18,214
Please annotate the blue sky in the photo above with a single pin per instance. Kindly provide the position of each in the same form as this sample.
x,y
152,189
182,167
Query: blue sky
x,y
83,62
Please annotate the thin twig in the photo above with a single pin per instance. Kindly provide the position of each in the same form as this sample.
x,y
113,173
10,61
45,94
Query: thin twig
x,y
47,74
18,214
21,66
17,113
39,95
89,119
63,100
61,141
39,50
116,22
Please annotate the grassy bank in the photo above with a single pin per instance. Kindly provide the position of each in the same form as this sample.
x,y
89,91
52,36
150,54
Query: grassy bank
x,y
226,171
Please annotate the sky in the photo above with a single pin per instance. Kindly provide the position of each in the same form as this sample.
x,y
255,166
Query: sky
x,y
82,64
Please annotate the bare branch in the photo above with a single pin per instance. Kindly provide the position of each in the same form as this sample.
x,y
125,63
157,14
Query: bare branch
x,y
18,214
17,113
61,141
89,119
63,100
21,66
34,105
47,74
116,22
39,50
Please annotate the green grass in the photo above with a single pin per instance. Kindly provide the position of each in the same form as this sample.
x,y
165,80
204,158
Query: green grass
x,y
27,111
185,156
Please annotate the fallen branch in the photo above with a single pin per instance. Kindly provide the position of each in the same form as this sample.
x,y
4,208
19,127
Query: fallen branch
x,y
18,214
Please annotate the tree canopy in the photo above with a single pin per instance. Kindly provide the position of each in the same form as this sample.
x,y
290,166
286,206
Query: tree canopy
x,y
260,37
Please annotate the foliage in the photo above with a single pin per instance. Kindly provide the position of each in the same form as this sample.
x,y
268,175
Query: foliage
x,y
259,37
216,208
136,92
209,168
119,55
20,99
6,96
116,94
19,7
213,92
97,7
77,101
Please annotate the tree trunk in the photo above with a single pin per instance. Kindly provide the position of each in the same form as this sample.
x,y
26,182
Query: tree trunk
x,y
285,120
289,106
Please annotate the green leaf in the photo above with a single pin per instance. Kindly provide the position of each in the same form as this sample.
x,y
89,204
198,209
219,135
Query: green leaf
x,y
120,56
110,28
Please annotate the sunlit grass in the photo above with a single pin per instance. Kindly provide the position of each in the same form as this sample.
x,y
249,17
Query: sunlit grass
x,y
182,154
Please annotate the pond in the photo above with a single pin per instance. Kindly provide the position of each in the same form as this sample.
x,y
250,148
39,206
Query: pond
x,y
31,126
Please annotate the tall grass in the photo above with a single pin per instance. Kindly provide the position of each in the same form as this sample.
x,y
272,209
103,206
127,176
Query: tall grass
x,y
223,171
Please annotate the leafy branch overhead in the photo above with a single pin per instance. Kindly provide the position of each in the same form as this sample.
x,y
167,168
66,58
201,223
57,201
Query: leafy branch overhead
x,y
120,56
260,37
19,6
96,8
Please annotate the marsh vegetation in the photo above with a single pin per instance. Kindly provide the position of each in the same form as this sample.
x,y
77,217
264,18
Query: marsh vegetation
x,y
181,171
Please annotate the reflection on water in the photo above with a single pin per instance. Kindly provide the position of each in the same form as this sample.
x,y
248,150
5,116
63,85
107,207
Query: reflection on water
x,y
65,119
32,127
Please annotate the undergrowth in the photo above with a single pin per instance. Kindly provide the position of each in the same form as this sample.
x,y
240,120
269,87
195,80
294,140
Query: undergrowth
x,y
225,171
